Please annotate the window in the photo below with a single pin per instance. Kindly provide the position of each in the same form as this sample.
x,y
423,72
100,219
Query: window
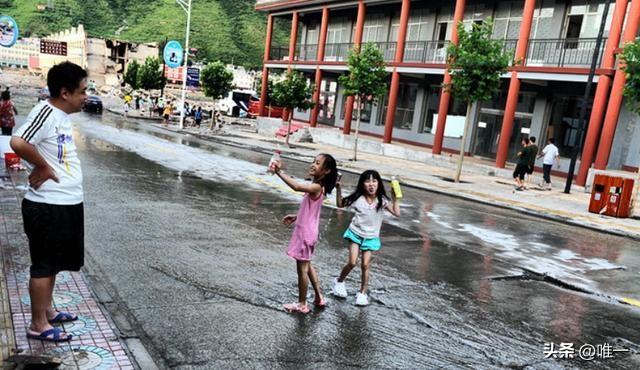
x,y
432,103
405,107
564,123
375,28
365,113
418,26
584,18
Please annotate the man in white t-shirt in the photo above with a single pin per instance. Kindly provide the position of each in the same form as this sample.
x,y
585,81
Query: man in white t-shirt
x,y
52,208
551,155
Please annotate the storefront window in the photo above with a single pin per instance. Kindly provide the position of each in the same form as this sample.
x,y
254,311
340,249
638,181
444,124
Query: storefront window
x,y
365,113
405,108
564,123
432,103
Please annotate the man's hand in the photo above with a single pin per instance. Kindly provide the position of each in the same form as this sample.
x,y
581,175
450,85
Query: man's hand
x,y
41,174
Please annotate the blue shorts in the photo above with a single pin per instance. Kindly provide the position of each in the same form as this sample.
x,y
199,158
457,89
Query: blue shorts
x,y
372,244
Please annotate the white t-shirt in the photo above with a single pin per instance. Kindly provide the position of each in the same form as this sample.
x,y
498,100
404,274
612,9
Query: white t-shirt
x,y
368,220
49,130
550,153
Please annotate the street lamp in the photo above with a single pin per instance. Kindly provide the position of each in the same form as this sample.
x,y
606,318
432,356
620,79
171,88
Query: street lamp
x,y
585,99
186,6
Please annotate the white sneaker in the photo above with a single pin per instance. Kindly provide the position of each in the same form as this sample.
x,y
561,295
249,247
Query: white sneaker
x,y
362,299
339,289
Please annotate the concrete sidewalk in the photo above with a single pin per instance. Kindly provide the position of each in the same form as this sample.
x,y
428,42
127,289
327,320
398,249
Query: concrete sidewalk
x,y
95,344
480,182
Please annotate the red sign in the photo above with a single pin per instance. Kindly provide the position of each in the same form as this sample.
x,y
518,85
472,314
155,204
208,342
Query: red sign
x,y
53,47
173,74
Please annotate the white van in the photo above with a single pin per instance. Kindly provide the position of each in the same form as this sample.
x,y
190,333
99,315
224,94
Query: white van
x,y
236,103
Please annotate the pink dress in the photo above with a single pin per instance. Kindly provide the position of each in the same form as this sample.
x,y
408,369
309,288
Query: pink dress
x,y
306,230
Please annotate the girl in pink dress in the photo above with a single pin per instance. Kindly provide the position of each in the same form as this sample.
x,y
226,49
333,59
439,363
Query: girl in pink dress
x,y
324,174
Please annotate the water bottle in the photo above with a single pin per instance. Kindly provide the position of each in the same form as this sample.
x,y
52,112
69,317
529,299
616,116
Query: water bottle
x,y
275,158
395,187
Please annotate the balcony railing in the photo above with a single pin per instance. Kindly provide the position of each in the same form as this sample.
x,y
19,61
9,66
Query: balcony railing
x,y
426,52
541,52
388,50
307,52
279,53
337,52
562,52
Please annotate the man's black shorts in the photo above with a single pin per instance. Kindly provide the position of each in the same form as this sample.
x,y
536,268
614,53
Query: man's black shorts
x,y
530,169
520,171
56,237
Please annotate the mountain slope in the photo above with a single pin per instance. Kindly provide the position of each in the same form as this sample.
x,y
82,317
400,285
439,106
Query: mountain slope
x,y
226,30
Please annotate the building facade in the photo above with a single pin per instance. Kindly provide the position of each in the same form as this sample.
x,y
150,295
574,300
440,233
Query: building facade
x,y
553,42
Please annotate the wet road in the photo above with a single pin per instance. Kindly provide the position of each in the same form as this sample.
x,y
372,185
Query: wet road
x,y
187,241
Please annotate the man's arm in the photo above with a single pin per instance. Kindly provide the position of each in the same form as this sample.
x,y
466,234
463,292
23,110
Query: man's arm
x,y
42,171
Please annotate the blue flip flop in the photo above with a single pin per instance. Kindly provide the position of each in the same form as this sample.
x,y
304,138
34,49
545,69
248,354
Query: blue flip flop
x,y
45,335
62,317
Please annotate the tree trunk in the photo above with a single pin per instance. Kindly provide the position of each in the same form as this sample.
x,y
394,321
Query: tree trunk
x,y
464,140
213,116
289,128
355,142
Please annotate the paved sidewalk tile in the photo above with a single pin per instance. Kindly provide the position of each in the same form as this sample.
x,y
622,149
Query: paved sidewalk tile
x,y
95,345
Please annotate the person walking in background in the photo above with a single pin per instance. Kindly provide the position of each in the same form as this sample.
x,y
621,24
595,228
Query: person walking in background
x,y
522,165
8,112
551,155
532,151
198,116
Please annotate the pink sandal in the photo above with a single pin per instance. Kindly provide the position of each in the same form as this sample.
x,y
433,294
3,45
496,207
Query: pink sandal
x,y
295,307
320,304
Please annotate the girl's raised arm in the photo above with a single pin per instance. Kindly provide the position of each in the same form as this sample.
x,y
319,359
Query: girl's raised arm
x,y
312,188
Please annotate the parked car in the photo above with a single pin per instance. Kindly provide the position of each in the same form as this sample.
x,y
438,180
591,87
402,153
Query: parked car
x,y
93,104
43,94
236,103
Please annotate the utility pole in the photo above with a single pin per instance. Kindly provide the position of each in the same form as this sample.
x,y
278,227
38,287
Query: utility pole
x,y
585,99
186,6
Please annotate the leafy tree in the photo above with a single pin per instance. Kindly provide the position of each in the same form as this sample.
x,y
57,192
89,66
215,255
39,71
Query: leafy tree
x,y
294,92
217,81
365,80
631,67
131,75
6,4
150,75
475,64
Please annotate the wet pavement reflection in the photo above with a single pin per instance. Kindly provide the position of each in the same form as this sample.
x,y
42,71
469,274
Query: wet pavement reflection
x,y
185,234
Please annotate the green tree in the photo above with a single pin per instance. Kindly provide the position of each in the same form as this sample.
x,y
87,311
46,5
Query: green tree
x,y
631,67
150,75
131,75
6,4
365,80
475,64
294,92
217,81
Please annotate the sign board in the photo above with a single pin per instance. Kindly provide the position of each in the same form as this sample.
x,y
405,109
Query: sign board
x,y
53,47
8,31
173,74
173,54
193,77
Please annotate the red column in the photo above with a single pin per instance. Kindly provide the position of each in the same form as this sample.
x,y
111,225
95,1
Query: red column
x,y
514,85
357,40
322,40
293,38
615,100
395,77
602,92
265,70
445,97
